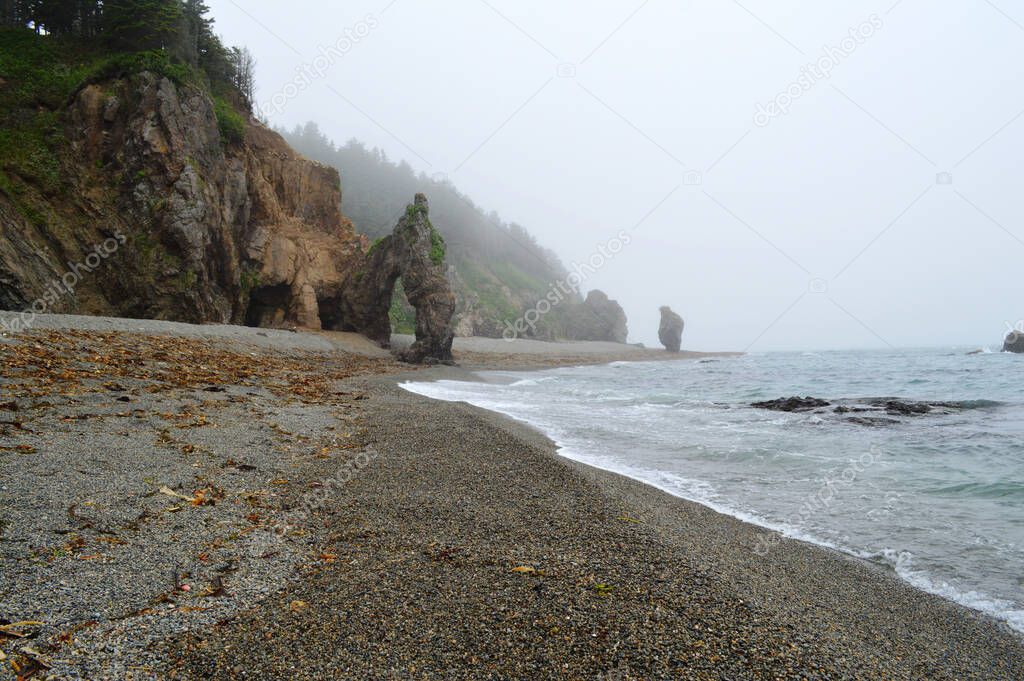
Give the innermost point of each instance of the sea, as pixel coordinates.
(937, 497)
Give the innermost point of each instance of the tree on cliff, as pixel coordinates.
(143, 24)
(56, 17)
(244, 79)
(182, 29)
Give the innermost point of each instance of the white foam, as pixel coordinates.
(703, 492)
(976, 600)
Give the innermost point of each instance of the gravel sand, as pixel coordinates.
(176, 504)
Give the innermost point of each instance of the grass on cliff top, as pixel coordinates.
(36, 78)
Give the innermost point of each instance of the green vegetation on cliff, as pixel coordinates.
(49, 50)
(58, 199)
(176, 37)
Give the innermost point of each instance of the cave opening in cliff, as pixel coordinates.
(268, 305)
(331, 317)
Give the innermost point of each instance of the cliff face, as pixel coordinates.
(238, 232)
(598, 319)
(233, 232)
(164, 215)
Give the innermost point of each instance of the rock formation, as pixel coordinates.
(792, 404)
(231, 231)
(873, 412)
(670, 332)
(1014, 342)
(415, 252)
(200, 226)
(598, 319)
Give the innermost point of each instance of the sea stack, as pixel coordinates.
(1014, 342)
(414, 251)
(670, 333)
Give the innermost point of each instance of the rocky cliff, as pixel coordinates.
(166, 206)
(598, 318)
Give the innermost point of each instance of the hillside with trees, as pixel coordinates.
(498, 269)
(52, 51)
(172, 31)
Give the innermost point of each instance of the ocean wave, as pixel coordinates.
(532, 381)
(1001, 609)
(662, 425)
(995, 490)
(977, 404)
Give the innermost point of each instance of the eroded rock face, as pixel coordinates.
(598, 318)
(414, 252)
(242, 231)
(670, 332)
(1014, 342)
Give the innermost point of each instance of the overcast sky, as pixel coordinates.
(883, 207)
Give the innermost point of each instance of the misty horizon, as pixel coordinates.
(793, 177)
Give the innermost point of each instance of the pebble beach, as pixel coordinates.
(203, 502)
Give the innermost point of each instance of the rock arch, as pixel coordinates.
(415, 252)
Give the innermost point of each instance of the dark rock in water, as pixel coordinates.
(850, 410)
(873, 421)
(1014, 342)
(906, 408)
(670, 332)
(901, 408)
(866, 412)
(792, 404)
(414, 252)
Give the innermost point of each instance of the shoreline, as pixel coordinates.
(680, 580)
(774, 534)
(446, 540)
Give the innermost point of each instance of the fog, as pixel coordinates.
(881, 208)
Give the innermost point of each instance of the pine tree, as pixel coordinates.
(143, 24)
(8, 13)
(197, 28)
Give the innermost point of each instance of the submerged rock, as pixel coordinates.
(670, 332)
(792, 404)
(1014, 342)
(899, 408)
(870, 412)
(872, 421)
